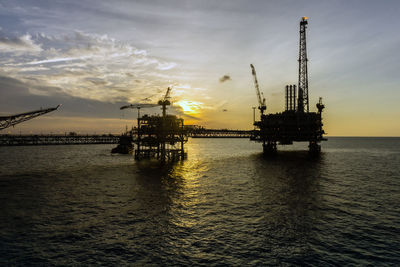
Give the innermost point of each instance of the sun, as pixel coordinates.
(190, 107)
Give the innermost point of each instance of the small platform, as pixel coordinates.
(160, 137)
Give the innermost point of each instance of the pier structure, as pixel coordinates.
(125, 141)
(296, 123)
(200, 132)
(45, 140)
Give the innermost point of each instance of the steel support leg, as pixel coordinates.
(314, 148)
(269, 148)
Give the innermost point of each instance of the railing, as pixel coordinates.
(219, 133)
(37, 140)
(32, 140)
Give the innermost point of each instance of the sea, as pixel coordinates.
(225, 205)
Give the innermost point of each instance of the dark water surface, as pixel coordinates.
(224, 205)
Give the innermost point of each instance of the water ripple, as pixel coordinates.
(225, 205)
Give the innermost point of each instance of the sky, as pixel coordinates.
(96, 56)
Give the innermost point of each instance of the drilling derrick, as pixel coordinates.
(296, 123)
(303, 75)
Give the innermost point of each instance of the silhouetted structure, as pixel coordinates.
(8, 121)
(125, 145)
(160, 137)
(261, 99)
(196, 131)
(53, 139)
(296, 123)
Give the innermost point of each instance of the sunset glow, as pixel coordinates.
(190, 107)
(52, 53)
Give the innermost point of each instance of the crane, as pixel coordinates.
(163, 102)
(8, 121)
(165, 131)
(261, 100)
(139, 106)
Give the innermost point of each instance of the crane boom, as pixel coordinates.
(139, 105)
(261, 100)
(8, 121)
(166, 97)
(163, 102)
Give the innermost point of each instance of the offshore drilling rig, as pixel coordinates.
(296, 123)
(160, 137)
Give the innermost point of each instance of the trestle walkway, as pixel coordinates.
(38, 140)
(219, 133)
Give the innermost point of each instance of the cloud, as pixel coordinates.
(23, 43)
(84, 65)
(53, 60)
(166, 66)
(225, 78)
(178, 110)
(18, 96)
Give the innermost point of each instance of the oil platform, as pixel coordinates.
(160, 137)
(296, 123)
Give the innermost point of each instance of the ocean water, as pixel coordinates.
(225, 204)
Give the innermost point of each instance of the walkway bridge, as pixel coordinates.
(40, 140)
(219, 133)
(51, 139)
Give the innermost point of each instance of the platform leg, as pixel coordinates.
(269, 148)
(314, 148)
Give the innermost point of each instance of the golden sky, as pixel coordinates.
(95, 56)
